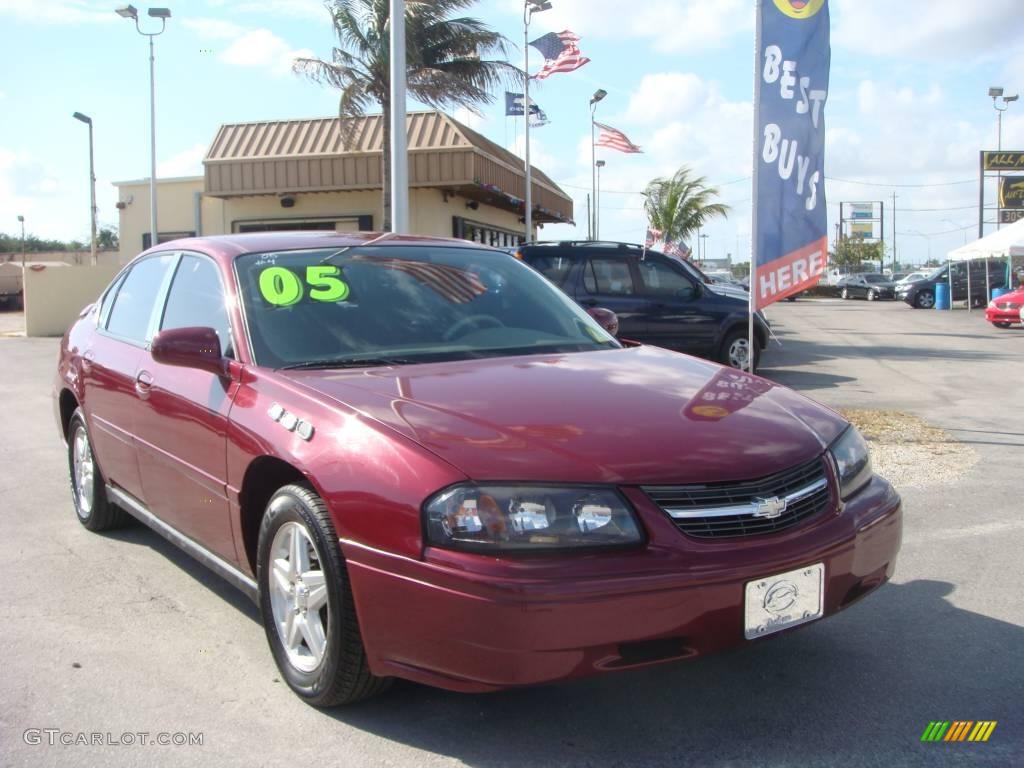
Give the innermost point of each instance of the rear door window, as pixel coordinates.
(610, 277)
(132, 315)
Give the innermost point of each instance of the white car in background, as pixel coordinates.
(912, 277)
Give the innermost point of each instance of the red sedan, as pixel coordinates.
(1005, 310)
(424, 461)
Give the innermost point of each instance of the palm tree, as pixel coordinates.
(447, 62)
(679, 206)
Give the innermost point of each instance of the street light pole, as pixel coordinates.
(398, 138)
(131, 12)
(530, 7)
(92, 189)
(599, 94)
(22, 220)
(597, 202)
(996, 93)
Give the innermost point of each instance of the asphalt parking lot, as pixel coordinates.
(124, 634)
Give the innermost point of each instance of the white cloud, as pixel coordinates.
(188, 162)
(304, 9)
(58, 11)
(214, 29)
(263, 49)
(950, 30)
(672, 25)
(668, 95)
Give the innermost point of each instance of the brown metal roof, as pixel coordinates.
(290, 156)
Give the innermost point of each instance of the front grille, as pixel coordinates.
(1008, 305)
(721, 510)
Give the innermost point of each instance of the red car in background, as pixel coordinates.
(422, 460)
(1004, 311)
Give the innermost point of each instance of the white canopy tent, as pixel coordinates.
(1003, 243)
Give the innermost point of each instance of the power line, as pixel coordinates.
(902, 186)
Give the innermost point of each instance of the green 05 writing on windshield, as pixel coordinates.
(281, 287)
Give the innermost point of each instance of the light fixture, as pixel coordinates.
(160, 13)
(287, 201)
(600, 163)
(472, 205)
(128, 12)
(1008, 99)
(83, 118)
(995, 92)
(599, 94)
(536, 6)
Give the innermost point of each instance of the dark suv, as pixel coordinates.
(920, 294)
(659, 300)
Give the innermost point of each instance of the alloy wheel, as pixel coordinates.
(298, 596)
(739, 354)
(925, 300)
(84, 472)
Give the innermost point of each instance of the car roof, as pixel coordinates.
(229, 246)
(581, 247)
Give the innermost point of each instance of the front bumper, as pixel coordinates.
(997, 315)
(472, 623)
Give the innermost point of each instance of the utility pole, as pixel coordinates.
(894, 262)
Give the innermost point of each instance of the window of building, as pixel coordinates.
(326, 224)
(485, 234)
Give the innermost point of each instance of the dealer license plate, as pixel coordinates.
(785, 600)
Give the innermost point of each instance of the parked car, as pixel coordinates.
(11, 285)
(921, 293)
(1005, 310)
(422, 460)
(870, 286)
(658, 300)
(909, 278)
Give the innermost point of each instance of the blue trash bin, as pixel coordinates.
(997, 292)
(942, 296)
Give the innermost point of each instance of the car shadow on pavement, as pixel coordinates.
(857, 689)
(799, 380)
(137, 533)
(803, 353)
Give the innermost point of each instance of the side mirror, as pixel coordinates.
(189, 348)
(606, 319)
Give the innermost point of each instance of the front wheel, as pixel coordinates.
(308, 612)
(925, 300)
(1001, 325)
(736, 352)
(872, 295)
(846, 293)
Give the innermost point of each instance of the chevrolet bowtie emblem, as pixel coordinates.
(769, 509)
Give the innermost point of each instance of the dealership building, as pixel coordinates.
(305, 174)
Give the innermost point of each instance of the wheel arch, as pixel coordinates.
(742, 324)
(262, 478)
(67, 403)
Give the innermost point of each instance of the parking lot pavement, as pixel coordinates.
(123, 634)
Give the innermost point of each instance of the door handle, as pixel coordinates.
(589, 302)
(143, 384)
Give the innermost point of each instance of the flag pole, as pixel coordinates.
(753, 210)
(528, 197)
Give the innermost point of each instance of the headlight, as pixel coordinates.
(490, 518)
(992, 304)
(853, 463)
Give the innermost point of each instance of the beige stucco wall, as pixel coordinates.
(55, 295)
(429, 213)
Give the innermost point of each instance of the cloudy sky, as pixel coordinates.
(907, 111)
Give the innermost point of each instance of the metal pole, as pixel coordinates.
(999, 174)
(92, 198)
(894, 262)
(881, 228)
(597, 206)
(981, 194)
(152, 144)
(22, 220)
(756, 166)
(528, 197)
(399, 155)
(593, 169)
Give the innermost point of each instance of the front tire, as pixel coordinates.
(845, 294)
(735, 352)
(924, 300)
(872, 295)
(306, 602)
(88, 492)
(1001, 325)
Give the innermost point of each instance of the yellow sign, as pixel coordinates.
(799, 9)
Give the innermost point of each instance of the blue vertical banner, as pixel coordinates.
(790, 222)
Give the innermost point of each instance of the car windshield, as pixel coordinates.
(375, 305)
(876, 278)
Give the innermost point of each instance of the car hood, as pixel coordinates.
(734, 291)
(629, 416)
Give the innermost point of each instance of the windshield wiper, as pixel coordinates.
(348, 362)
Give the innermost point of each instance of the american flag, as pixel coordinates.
(561, 53)
(677, 249)
(615, 139)
(458, 286)
(653, 236)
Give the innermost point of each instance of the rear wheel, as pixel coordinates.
(736, 352)
(846, 293)
(1001, 325)
(94, 510)
(306, 602)
(872, 295)
(925, 300)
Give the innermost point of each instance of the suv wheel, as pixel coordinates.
(94, 511)
(872, 295)
(306, 602)
(846, 293)
(735, 351)
(924, 300)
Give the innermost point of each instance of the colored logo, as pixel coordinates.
(958, 730)
(799, 9)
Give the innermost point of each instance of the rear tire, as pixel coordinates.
(306, 602)
(1001, 325)
(734, 352)
(924, 300)
(845, 294)
(88, 491)
(872, 295)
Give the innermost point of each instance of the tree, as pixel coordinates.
(851, 252)
(447, 63)
(107, 239)
(681, 205)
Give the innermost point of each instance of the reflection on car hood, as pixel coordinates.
(639, 415)
(734, 291)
